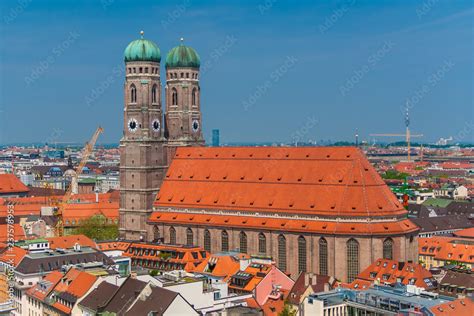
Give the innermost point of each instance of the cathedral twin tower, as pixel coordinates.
(150, 137)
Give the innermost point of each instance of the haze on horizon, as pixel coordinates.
(270, 70)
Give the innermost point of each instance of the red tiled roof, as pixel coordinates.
(315, 226)
(219, 265)
(327, 181)
(81, 211)
(258, 273)
(69, 241)
(456, 165)
(447, 248)
(465, 233)
(49, 281)
(113, 245)
(459, 307)
(108, 204)
(358, 284)
(151, 254)
(11, 184)
(390, 271)
(274, 306)
(12, 256)
(76, 283)
(18, 232)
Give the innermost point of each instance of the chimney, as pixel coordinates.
(306, 279)
(314, 280)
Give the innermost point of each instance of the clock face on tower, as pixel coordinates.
(155, 125)
(195, 126)
(132, 125)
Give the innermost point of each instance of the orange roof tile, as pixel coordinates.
(11, 184)
(274, 306)
(113, 245)
(358, 284)
(81, 211)
(257, 272)
(12, 255)
(459, 307)
(76, 283)
(42, 289)
(447, 248)
(465, 233)
(251, 302)
(219, 265)
(18, 232)
(62, 308)
(150, 254)
(391, 271)
(327, 181)
(108, 204)
(69, 241)
(456, 165)
(296, 225)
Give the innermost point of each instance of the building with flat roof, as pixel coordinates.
(382, 300)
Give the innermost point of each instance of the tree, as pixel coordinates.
(97, 228)
(393, 174)
(287, 311)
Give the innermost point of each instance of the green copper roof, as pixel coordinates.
(182, 57)
(437, 202)
(142, 50)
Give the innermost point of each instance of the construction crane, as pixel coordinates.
(408, 135)
(59, 229)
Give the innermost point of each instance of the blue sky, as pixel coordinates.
(274, 70)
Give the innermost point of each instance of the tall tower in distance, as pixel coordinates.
(183, 99)
(142, 155)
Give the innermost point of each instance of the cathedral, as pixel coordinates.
(317, 209)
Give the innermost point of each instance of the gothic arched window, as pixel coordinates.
(189, 237)
(282, 253)
(352, 259)
(262, 244)
(323, 256)
(193, 97)
(156, 233)
(153, 94)
(207, 240)
(224, 241)
(172, 235)
(243, 242)
(388, 248)
(301, 254)
(133, 94)
(174, 96)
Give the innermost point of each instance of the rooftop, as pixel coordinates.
(11, 184)
(399, 296)
(325, 181)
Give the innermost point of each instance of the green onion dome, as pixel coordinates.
(142, 50)
(182, 57)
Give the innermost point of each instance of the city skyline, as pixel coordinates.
(326, 82)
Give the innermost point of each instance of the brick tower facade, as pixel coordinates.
(183, 105)
(146, 148)
(142, 156)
